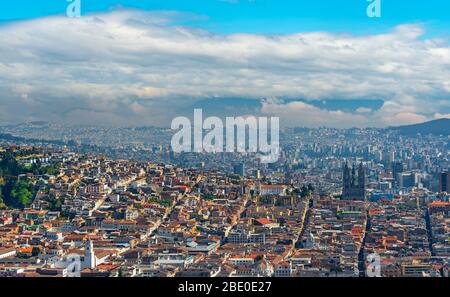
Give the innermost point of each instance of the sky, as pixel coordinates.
(143, 62)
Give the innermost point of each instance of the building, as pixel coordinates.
(415, 270)
(397, 167)
(242, 260)
(444, 182)
(243, 237)
(272, 190)
(283, 269)
(239, 169)
(7, 252)
(354, 185)
(408, 179)
(77, 262)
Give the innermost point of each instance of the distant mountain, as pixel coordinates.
(11, 138)
(437, 127)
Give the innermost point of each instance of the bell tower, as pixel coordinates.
(89, 255)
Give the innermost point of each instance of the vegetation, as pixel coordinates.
(38, 169)
(163, 202)
(17, 191)
(67, 215)
(35, 251)
(120, 272)
(304, 191)
(209, 197)
(2, 203)
(21, 194)
(55, 204)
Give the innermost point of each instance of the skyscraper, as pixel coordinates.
(397, 167)
(444, 182)
(239, 169)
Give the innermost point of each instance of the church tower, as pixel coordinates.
(89, 255)
(361, 179)
(346, 178)
(354, 184)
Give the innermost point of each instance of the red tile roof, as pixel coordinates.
(264, 221)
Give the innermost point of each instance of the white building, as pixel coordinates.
(272, 189)
(284, 269)
(5, 253)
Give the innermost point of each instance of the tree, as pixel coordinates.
(35, 251)
(21, 194)
(209, 197)
(2, 203)
(304, 191)
(295, 192)
(55, 204)
(336, 269)
(9, 165)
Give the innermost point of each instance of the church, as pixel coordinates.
(76, 262)
(354, 185)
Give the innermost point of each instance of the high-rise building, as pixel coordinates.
(239, 169)
(391, 156)
(407, 180)
(354, 185)
(397, 167)
(444, 182)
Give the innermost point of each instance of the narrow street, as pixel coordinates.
(429, 232)
(361, 255)
(305, 222)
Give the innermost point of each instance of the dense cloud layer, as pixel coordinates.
(131, 67)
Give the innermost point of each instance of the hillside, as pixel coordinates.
(437, 127)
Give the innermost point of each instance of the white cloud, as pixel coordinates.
(442, 116)
(306, 115)
(131, 67)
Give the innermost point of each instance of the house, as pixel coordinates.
(273, 190)
(283, 269)
(7, 252)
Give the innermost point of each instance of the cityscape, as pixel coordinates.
(337, 203)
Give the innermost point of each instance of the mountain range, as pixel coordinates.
(437, 127)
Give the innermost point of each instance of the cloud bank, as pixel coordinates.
(134, 68)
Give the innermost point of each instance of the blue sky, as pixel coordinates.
(262, 16)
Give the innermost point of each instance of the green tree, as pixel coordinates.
(304, 191)
(2, 203)
(209, 197)
(51, 170)
(55, 204)
(35, 251)
(9, 165)
(21, 193)
(295, 192)
(336, 269)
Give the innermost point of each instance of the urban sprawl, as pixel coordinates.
(355, 202)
